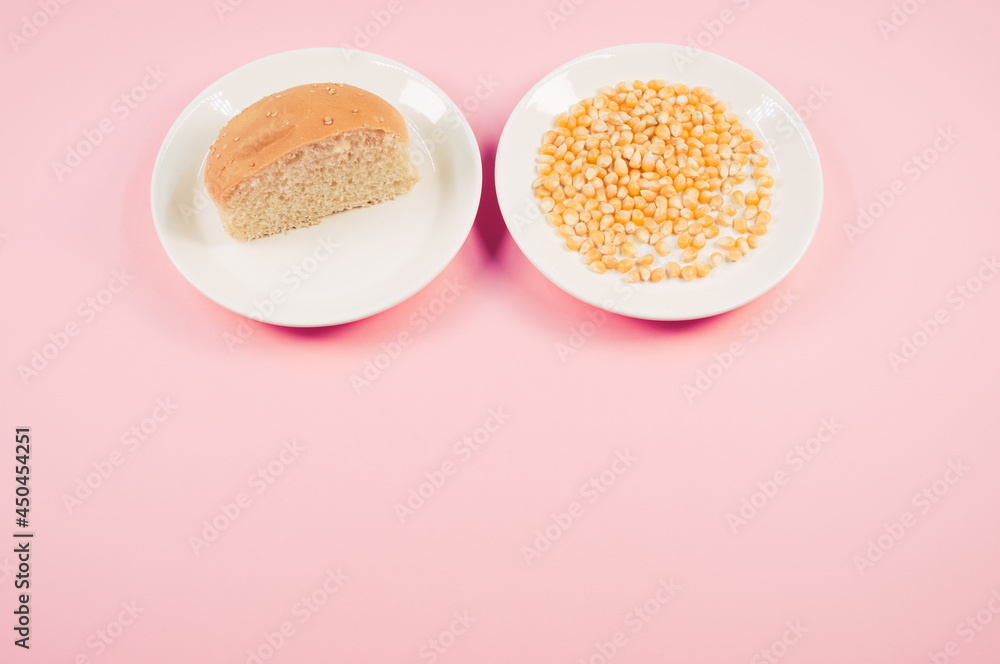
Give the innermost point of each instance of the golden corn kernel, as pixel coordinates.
(683, 240)
(703, 268)
(764, 217)
(599, 267)
(716, 259)
(657, 274)
(698, 241)
(626, 264)
(753, 241)
(673, 269)
(689, 272)
(689, 255)
(758, 229)
(645, 260)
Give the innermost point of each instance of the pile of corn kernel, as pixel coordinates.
(646, 164)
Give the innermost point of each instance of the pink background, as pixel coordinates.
(497, 346)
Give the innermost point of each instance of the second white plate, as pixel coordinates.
(798, 194)
(355, 263)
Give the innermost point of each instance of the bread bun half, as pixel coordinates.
(299, 155)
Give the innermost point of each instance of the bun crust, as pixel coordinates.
(274, 126)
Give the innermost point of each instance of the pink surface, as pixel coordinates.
(646, 566)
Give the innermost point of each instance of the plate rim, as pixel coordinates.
(471, 142)
(504, 145)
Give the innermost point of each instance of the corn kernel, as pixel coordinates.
(626, 264)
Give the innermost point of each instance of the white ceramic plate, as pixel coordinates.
(355, 263)
(798, 192)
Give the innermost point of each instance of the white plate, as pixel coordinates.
(798, 193)
(383, 254)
